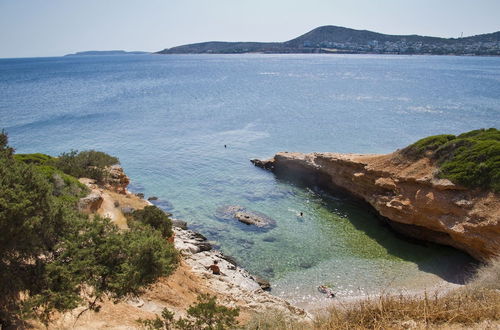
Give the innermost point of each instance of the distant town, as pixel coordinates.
(408, 47)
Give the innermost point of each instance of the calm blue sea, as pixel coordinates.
(168, 118)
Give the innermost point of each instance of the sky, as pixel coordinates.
(33, 28)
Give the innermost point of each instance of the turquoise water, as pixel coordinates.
(168, 118)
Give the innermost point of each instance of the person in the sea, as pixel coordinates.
(328, 291)
(215, 268)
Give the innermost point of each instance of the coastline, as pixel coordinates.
(406, 195)
(235, 288)
(198, 253)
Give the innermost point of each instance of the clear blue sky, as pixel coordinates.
(57, 27)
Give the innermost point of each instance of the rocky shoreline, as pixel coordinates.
(235, 287)
(234, 280)
(368, 177)
(407, 195)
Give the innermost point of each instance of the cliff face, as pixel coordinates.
(117, 181)
(407, 194)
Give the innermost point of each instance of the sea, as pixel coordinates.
(186, 126)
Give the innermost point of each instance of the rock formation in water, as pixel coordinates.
(245, 216)
(407, 194)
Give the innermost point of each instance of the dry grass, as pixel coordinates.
(487, 277)
(465, 307)
(476, 305)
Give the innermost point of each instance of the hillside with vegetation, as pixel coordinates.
(336, 39)
(470, 159)
(53, 258)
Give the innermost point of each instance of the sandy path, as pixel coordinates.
(109, 210)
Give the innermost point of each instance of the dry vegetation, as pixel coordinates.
(477, 305)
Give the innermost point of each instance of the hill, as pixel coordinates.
(336, 39)
(105, 52)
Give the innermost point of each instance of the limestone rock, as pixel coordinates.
(254, 218)
(264, 284)
(234, 281)
(245, 216)
(179, 224)
(265, 164)
(90, 203)
(408, 194)
(116, 180)
(204, 246)
(127, 210)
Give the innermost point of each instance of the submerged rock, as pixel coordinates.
(306, 264)
(179, 224)
(197, 236)
(264, 284)
(228, 212)
(203, 246)
(255, 218)
(239, 213)
(269, 271)
(229, 259)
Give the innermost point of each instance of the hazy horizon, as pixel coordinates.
(31, 28)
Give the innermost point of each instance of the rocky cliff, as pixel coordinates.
(407, 194)
(116, 180)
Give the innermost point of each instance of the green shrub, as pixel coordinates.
(422, 147)
(36, 158)
(471, 159)
(154, 217)
(5, 150)
(90, 164)
(205, 315)
(50, 253)
(63, 184)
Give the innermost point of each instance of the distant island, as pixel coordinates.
(106, 52)
(340, 40)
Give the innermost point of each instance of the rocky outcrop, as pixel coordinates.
(90, 203)
(243, 287)
(116, 180)
(265, 164)
(407, 194)
(245, 216)
(179, 224)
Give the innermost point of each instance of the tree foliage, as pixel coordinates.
(155, 218)
(89, 164)
(53, 258)
(5, 150)
(36, 158)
